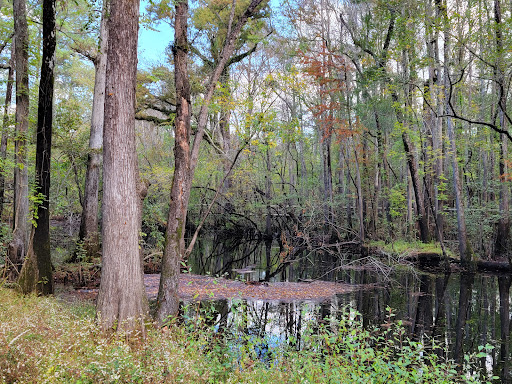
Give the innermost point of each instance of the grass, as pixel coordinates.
(404, 247)
(47, 340)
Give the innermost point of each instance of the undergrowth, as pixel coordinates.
(406, 247)
(47, 340)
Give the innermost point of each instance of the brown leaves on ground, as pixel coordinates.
(207, 287)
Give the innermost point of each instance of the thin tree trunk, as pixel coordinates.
(432, 113)
(466, 254)
(17, 247)
(168, 301)
(121, 302)
(89, 232)
(503, 227)
(5, 127)
(360, 201)
(224, 129)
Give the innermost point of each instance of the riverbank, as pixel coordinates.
(51, 340)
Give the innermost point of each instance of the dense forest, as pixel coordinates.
(307, 125)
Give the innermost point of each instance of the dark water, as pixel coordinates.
(458, 312)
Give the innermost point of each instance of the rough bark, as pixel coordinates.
(36, 274)
(121, 299)
(168, 301)
(89, 232)
(17, 247)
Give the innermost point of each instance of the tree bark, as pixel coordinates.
(89, 232)
(121, 302)
(168, 300)
(36, 274)
(18, 245)
(5, 126)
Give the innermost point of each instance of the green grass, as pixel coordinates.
(403, 247)
(46, 340)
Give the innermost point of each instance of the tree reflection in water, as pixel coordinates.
(454, 313)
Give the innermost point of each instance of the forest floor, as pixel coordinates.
(196, 287)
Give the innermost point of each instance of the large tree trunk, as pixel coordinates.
(18, 245)
(168, 301)
(121, 298)
(5, 126)
(36, 274)
(89, 232)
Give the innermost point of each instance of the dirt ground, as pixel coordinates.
(196, 287)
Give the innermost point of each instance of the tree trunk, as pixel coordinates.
(466, 254)
(434, 109)
(408, 146)
(36, 274)
(225, 115)
(503, 227)
(5, 126)
(89, 232)
(18, 245)
(168, 301)
(121, 299)
(327, 182)
(417, 186)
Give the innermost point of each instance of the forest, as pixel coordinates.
(302, 151)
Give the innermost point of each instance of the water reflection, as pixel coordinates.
(454, 314)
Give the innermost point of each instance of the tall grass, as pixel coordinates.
(47, 340)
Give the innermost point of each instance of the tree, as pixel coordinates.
(17, 247)
(89, 232)
(36, 274)
(122, 302)
(5, 126)
(185, 157)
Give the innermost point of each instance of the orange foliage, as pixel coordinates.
(330, 71)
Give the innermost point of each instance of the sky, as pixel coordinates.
(152, 44)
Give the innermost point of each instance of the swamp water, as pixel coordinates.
(458, 312)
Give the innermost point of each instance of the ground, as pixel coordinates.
(208, 287)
